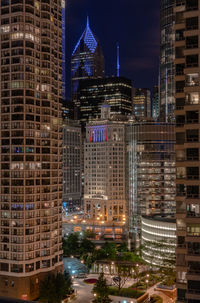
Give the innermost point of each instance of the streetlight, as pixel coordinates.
(95, 295)
(147, 281)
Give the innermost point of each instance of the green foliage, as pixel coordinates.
(123, 247)
(125, 292)
(101, 290)
(110, 250)
(88, 234)
(86, 246)
(156, 299)
(131, 257)
(54, 288)
(71, 245)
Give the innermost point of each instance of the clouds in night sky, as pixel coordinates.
(132, 23)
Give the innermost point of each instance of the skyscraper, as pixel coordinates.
(187, 150)
(167, 37)
(72, 187)
(87, 59)
(31, 145)
(141, 102)
(104, 169)
(115, 91)
(150, 170)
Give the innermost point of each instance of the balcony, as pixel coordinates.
(191, 5)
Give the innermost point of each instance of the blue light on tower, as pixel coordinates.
(89, 39)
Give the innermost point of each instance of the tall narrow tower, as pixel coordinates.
(167, 69)
(87, 60)
(31, 167)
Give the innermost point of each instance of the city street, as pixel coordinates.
(83, 290)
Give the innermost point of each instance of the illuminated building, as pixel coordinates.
(155, 104)
(187, 66)
(150, 171)
(104, 169)
(31, 146)
(167, 70)
(87, 60)
(158, 234)
(71, 165)
(116, 91)
(68, 110)
(64, 48)
(141, 102)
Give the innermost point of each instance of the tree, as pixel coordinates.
(48, 290)
(124, 270)
(101, 291)
(110, 250)
(123, 247)
(54, 288)
(71, 245)
(86, 246)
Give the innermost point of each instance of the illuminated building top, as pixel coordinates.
(88, 39)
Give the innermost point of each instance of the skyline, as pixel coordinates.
(140, 64)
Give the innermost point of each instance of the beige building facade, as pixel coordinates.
(31, 145)
(104, 170)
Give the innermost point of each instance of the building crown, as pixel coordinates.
(88, 39)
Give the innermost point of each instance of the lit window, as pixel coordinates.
(17, 36)
(5, 29)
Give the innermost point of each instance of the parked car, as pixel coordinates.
(81, 276)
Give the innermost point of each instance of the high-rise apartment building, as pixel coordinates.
(150, 170)
(64, 48)
(115, 91)
(187, 150)
(87, 60)
(31, 145)
(167, 70)
(71, 165)
(141, 102)
(104, 169)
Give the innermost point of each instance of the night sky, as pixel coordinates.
(132, 23)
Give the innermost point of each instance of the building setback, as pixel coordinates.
(187, 150)
(31, 146)
(115, 91)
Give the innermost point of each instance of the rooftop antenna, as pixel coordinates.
(88, 22)
(118, 65)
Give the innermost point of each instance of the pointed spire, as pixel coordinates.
(88, 21)
(118, 60)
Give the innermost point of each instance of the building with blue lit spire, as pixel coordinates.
(87, 60)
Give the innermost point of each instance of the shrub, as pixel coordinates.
(125, 292)
(156, 299)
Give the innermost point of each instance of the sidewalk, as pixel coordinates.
(165, 298)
